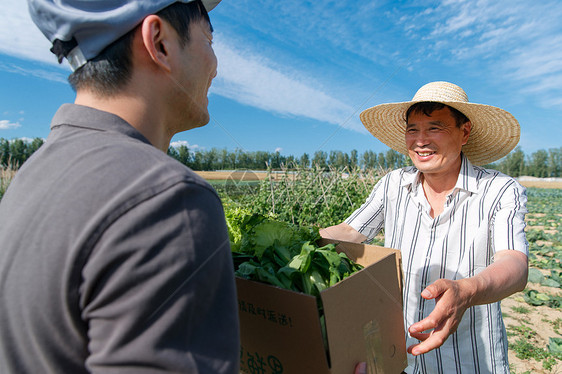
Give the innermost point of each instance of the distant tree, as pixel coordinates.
(320, 159)
(197, 163)
(304, 160)
(353, 159)
(5, 155)
(541, 163)
(18, 150)
(35, 145)
(554, 168)
(276, 160)
(290, 161)
(15, 152)
(392, 159)
(183, 155)
(210, 159)
(224, 160)
(172, 152)
(262, 159)
(232, 161)
(242, 159)
(342, 160)
(381, 160)
(513, 164)
(368, 160)
(333, 158)
(538, 164)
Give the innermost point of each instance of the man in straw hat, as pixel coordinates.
(114, 258)
(460, 227)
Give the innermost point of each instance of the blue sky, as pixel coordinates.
(293, 76)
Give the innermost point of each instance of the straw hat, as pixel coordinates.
(494, 133)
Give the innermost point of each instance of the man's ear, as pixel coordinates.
(466, 128)
(155, 37)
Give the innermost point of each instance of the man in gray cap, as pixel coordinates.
(114, 257)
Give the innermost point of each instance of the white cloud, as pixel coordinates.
(20, 37)
(179, 143)
(247, 78)
(254, 80)
(38, 73)
(513, 40)
(24, 139)
(7, 125)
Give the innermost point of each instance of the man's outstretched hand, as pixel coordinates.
(452, 300)
(506, 275)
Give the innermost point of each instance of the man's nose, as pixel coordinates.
(422, 138)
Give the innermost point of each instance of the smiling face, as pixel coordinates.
(434, 142)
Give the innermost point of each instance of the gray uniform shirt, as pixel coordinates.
(114, 258)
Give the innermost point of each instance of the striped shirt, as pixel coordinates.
(484, 214)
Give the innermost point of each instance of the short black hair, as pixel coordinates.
(108, 72)
(428, 107)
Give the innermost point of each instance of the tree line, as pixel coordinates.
(542, 163)
(222, 159)
(13, 153)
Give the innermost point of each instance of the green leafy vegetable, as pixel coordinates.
(555, 346)
(535, 276)
(533, 297)
(285, 255)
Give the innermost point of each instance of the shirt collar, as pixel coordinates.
(87, 117)
(465, 181)
(410, 176)
(467, 176)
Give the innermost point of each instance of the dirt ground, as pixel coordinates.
(541, 184)
(536, 324)
(236, 175)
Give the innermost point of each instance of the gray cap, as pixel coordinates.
(80, 30)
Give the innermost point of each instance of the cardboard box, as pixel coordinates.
(281, 330)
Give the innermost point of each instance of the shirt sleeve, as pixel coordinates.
(508, 227)
(158, 292)
(368, 219)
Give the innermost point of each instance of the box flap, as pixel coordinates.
(366, 254)
(372, 294)
(279, 330)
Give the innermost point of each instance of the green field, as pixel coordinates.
(533, 317)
